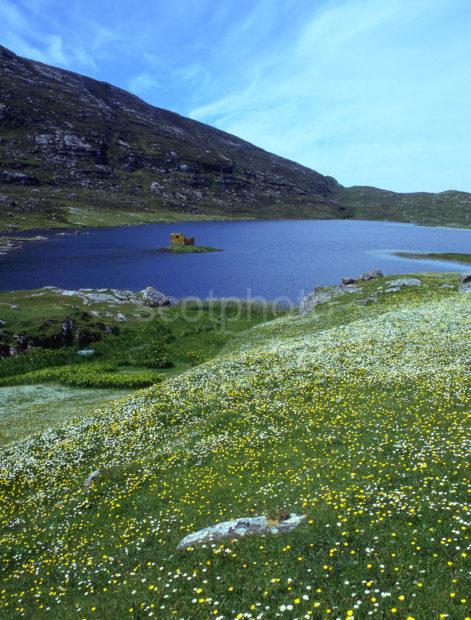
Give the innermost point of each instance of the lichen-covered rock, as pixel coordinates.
(320, 295)
(86, 352)
(405, 282)
(465, 286)
(92, 478)
(371, 275)
(368, 275)
(68, 330)
(155, 187)
(99, 298)
(238, 528)
(154, 298)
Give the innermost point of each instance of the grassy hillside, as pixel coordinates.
(356, 415)
(450, 208)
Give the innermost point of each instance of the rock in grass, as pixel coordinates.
(367, 300)
(86, 352)
(321, 295)
(371, 275)
(368, 275)
(405, 282)
(154, 298)
(238, 528)
(465, 286)
(92, 478)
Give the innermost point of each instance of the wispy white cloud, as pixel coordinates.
(141, 84)
(33, 32)
(360, 92)
(369, 91)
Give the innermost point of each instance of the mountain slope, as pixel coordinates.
(75, 151)
(70, 141)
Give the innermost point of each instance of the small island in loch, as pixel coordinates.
(180, 244)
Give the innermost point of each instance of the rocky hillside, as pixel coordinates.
(75, 151)
(71, 146)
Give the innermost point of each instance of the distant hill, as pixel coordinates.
(75, 151)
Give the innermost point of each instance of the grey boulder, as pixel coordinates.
(92, 478)
(368, 300)
(238, 528)
(321, 295)
(405, 282)
(465, 286)
(154, 298)
(368, 275)
(371, 275)
(86, 352)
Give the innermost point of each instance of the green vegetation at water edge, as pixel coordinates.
(191, 249)
(447, 256)
(355, 415)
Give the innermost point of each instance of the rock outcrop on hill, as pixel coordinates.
(102, 313)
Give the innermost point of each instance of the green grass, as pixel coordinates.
(94, 209)
(447, 256)
(29, 311)
(86, 376)
(355, 415)
(157, 345)
(29, 409)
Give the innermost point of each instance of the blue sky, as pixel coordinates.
(372, 92)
